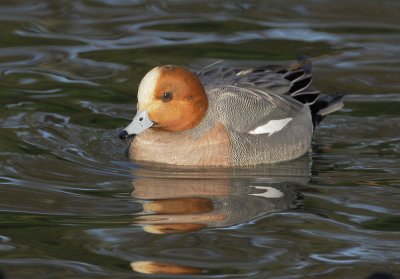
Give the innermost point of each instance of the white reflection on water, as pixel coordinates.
(301, 34)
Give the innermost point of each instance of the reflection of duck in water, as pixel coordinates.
(214, 205)
(182, 202)
(179, 204)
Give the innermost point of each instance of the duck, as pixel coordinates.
(226, 116)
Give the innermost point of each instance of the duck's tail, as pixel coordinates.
(300, 76)
(325, 105)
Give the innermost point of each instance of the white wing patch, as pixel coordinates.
(270, 192)
(271, 127)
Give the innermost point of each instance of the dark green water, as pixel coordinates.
(71, 203)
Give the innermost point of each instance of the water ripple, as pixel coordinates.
(72, 205)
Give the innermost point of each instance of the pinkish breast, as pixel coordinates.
(211, 149)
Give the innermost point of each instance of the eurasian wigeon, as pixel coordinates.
(226, 116)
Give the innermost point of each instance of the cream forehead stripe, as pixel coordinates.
(147, 86)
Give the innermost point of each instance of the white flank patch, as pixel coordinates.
(271, 127)
(147, 86)
(270, 192)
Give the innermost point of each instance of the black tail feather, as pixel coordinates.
(306, 97)
(300, 76)
(301, 84)
(325, 105)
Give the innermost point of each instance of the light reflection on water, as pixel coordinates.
(71, 205)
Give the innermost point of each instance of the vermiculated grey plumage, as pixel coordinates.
(244, 99)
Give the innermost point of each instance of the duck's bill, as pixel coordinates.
(140, 122)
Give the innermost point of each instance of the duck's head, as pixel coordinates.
(170, 98)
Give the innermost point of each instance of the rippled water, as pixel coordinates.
(72, 205)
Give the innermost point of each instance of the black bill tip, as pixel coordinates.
(123, 135)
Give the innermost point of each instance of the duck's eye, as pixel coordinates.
(167, 96)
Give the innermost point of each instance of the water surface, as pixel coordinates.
(72, 205)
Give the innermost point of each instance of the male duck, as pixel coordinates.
(226, 116)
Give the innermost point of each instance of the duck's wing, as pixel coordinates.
(291, 81)
(253, 111)
(263, 79)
